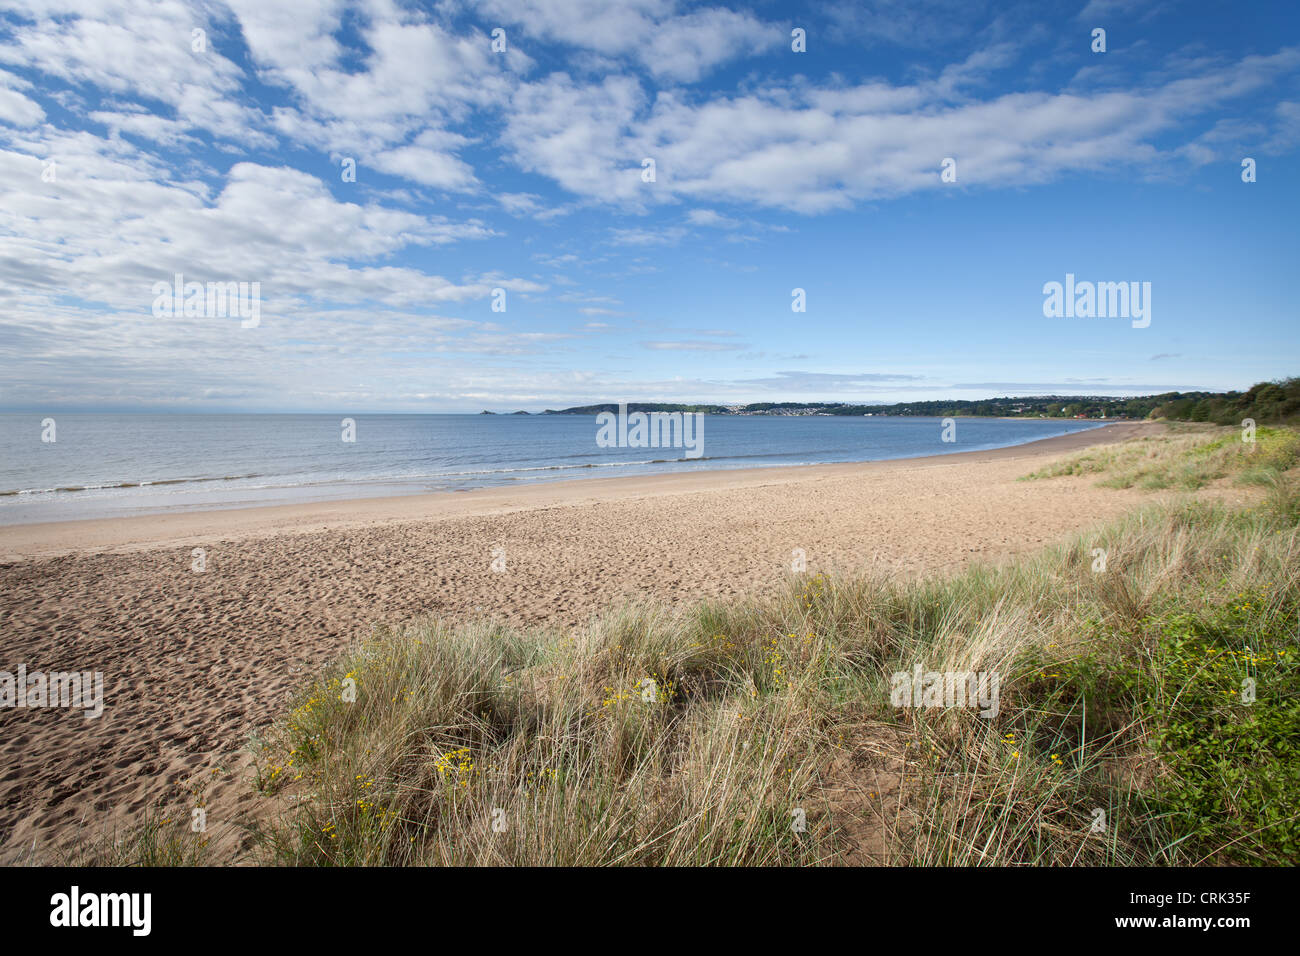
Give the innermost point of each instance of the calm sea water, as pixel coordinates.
(103, 465)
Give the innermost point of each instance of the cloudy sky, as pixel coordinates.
(214, 139)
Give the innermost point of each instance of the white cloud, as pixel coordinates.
(669, 44)
(711, 217)
(425, 163)
(139, 122)
(812, 150)
(15, 108)
(395, 113)
(138, 50)
(648, 237)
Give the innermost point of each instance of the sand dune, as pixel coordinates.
(194, 661)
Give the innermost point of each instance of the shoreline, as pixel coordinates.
(124, 533)
(218, 491)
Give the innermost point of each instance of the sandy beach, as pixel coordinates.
(193, 661)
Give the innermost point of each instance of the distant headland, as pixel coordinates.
(1264, 402)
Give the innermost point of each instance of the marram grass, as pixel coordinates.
(1185, 458)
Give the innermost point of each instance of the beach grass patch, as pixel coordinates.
(702, 736)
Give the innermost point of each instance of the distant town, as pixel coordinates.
(1265, 401)
(1051, 406)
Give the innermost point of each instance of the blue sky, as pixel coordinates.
(130, 151)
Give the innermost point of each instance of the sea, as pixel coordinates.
(68, 466)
